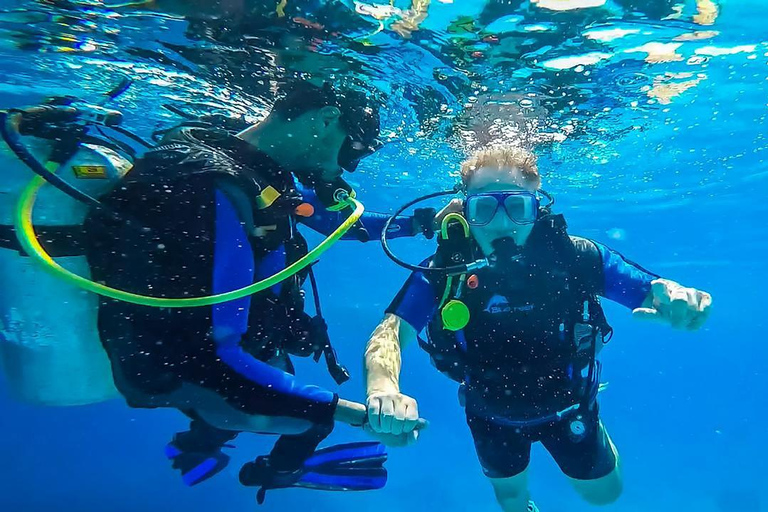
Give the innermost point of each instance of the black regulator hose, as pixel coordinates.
(9, 129)
(452, 270)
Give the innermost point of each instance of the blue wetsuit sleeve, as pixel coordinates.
(325, 221)
(234, 267)
(417, 301)
(611, 274)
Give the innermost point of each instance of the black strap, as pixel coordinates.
(338, 371)
(58, 241)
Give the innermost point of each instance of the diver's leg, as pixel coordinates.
(504, 455)
(249, 395)
(590, 461)
(605, 489)
(512, 493)
(299, 440)
(290, 451)
(218, 411)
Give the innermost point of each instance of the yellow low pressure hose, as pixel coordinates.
(25, 232)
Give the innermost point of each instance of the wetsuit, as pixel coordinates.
(191, 207)
(520, 360)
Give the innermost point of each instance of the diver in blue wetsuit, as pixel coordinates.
(211, 211)
(511, 310)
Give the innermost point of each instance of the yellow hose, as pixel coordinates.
(447, 221)
(25, 232)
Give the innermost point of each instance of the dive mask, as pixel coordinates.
(521, 207)
(353, 150)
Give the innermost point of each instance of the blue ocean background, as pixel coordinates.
(680, 187)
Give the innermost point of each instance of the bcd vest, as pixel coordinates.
(530, 344)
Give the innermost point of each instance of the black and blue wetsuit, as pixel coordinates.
(192, 209)
(522, 357)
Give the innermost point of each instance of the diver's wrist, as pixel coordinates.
(382, 386)
(351, 413)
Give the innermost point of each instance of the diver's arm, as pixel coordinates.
(390, 411)
(234, 267)
(648, 295)
(370, 226)
(383, 354)
(410, 311)
(611, 275)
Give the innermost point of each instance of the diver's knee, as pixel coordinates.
(601, 491)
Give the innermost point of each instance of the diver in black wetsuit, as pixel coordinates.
(519, 328)
(211, 211)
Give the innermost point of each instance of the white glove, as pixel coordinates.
(680, 307)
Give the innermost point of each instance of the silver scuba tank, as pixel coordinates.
(50, 350)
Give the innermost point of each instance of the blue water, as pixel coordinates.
(677, 182)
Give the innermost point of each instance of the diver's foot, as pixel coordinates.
(342, 467)
(197, 453)
(196, 467)
(260, 473)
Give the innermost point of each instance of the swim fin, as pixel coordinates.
(197, 452)
(344, 467)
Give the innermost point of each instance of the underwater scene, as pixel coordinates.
(323, 255)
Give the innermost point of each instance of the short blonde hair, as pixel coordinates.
(504, 157)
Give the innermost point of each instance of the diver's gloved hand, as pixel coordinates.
(424, 222)
(393, 418)
(680, 307)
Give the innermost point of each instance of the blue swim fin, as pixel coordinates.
(344, 467)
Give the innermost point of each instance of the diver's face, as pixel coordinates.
(321, 139)
(487, 180)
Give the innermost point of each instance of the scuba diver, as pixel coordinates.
(174, 245)
(510, 303)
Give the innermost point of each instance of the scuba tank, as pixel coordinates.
(50, 350)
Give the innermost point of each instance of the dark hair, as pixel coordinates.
(359, 116)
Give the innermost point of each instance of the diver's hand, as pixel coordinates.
(680, 307)
(424, 222)
(391, 440)
(393, 413)
(455, 206)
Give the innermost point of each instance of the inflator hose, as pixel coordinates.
(27, 238)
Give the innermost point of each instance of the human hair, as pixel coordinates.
(502, 157)
(301, 97)
(359, 111)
